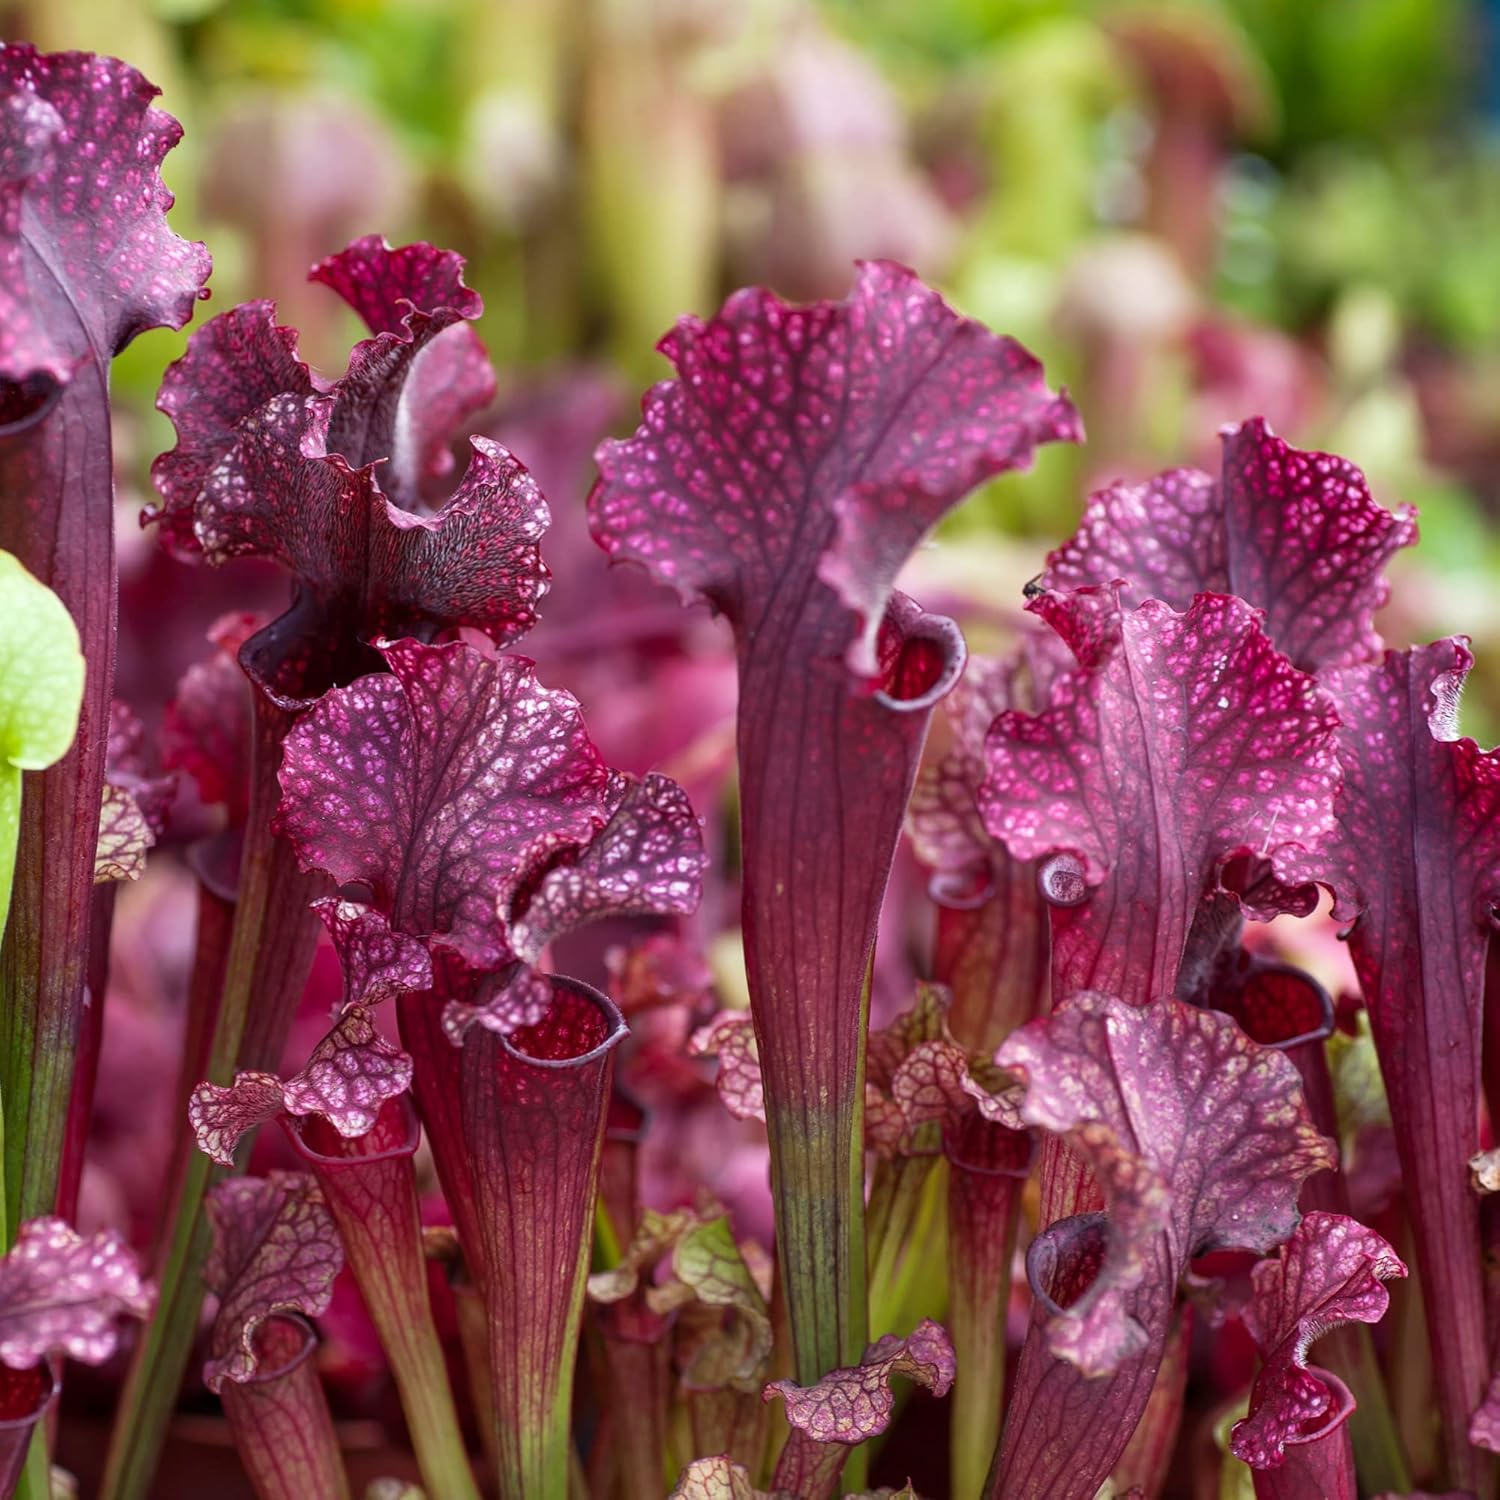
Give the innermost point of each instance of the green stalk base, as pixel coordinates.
(907, 1241)
(817, 1185)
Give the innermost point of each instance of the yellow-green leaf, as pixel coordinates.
(41, 671)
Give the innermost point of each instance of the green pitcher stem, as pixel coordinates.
(1378, 1455)
(422, 1379)
(150, 1393)
(816, 1137)
(35, 1482)
(818, 1188)
(905, 1207)
(473, 1341)
(983, 1218)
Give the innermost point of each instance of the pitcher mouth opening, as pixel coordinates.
(580, 1027)
(283, 1342)
(922, 657)
(25, 403)
(25, 1394)
(396, 1133)
(1065, 1259)
(965, 889)
(1277, 1005)
(1340, 1408)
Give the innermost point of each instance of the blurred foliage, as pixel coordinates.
(1192, 209)
(1358, 69)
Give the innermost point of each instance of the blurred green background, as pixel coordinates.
(1193, 211)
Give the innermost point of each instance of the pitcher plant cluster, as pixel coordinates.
(1116, 1137)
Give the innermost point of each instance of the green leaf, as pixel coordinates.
(41, 671)
(41, 691)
